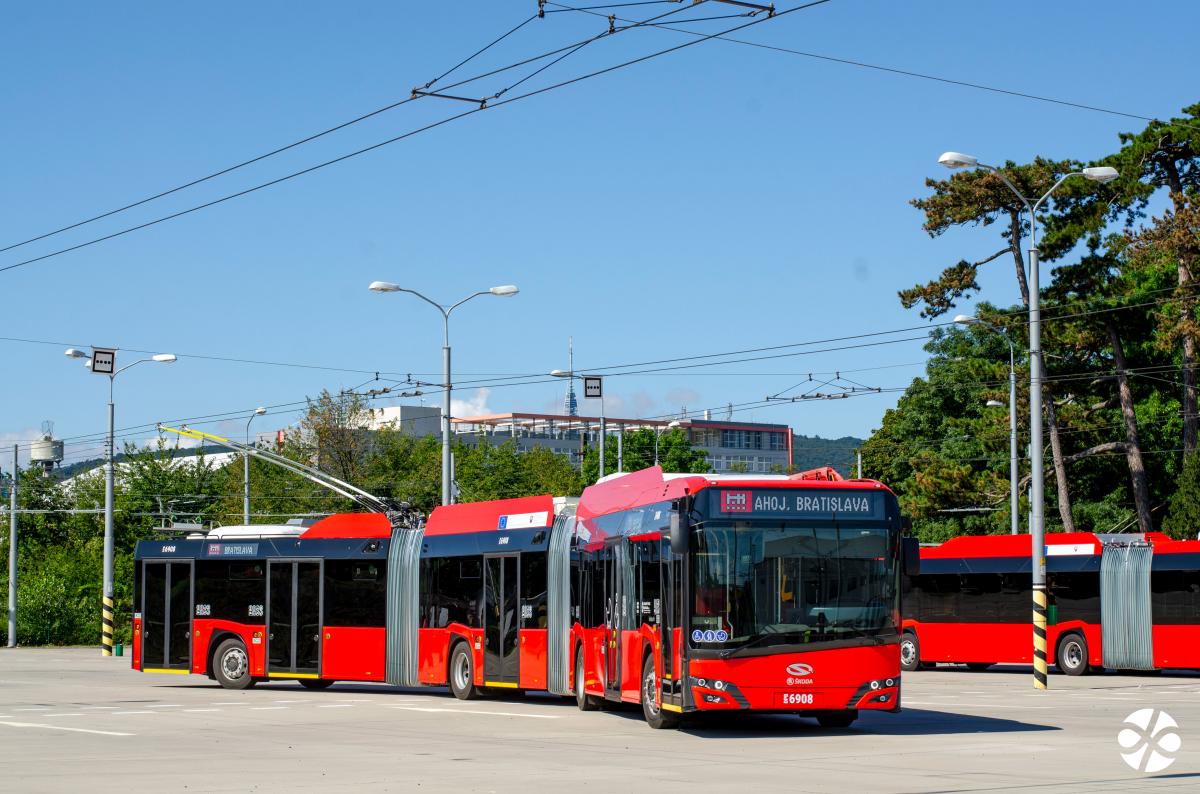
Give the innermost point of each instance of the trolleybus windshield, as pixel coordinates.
(765, 584)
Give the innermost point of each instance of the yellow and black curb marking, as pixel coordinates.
(106, 628)
(1039, 636)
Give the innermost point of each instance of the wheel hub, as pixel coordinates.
(234, 664)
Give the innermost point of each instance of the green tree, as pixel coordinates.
(1183, 513)
(675, 454)
(981, 198)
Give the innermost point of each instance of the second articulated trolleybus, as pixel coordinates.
(1123, 602)
(684, 593)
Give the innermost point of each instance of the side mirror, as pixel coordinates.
(910, 556)
(679, 530)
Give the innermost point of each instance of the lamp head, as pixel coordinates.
(673, 423)
(71, 352)
(559, 373)
(956, 160)
(1101, 173)
(259, 411)
(994, 404)
(164, 358)
(504, 290)
(383, 286)
(963, 319)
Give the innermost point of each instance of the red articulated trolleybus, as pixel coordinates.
(684, 593)
(1124, 602)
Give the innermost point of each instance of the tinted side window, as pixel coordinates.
(648, 606)
(227, 590)
(355, 593)
(533, 590)
(1076, 594)
(1175, 596)
(939, 597)
(451, 588)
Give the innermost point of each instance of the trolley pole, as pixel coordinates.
(12, 556)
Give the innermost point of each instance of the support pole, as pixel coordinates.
(603, 433)
(621, 449)
(106, 609)
(447, 475)
(1037, 529)
(859, 452)
(1014, 496)
(12, 555)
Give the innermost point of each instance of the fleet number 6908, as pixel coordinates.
(797, 698)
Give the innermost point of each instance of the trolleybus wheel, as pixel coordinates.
(837, 719)
(231, 665)
(462, 673)
(910, 652)
(582, 699)
(316, 683)
(1072, 655)
(656, 716)
(978, 667)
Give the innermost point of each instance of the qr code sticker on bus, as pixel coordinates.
(256, 610)
(203, 610)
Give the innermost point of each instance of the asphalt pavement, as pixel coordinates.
(72, 721)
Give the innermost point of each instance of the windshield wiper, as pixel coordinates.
(766, 635)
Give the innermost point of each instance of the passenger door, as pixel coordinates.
(294, 600)
(166, 615)
(501, 624)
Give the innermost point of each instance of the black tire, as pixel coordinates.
(231, 665)
(656, 716)
(910, 652)
(316, 683)
(582, 699)
(1072, 654)
(462, 673)
(979, 667)
(837, 719)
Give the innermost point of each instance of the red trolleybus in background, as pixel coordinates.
(1125, 602)
(681, 592)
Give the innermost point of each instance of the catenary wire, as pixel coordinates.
(401, 137)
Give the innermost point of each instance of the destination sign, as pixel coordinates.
(795, 503)
(232, 549)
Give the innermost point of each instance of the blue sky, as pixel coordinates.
(719, 198)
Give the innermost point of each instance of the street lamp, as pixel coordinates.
(259, 411)
(658, 431)
(1037, 529)
(503, 291)
(106, 636)
(1013, 498)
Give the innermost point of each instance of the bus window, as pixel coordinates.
(355, 593)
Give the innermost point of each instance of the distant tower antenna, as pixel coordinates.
(572, 405)
(729, 411)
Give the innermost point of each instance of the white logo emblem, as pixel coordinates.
(799, 669)
(1152, 741)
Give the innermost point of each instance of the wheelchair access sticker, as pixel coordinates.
(710, 636)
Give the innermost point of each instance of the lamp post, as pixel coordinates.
(12, 554)
(1013, 498)
(503, 291)
(259, 411)
(106, 638)
(1037, 529)
(658, 431)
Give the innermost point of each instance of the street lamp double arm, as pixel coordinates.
(259, 411)
(503, 291)
(1037, 529)
(658, 431)
(106, 637)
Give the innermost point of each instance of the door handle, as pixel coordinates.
(271, 636)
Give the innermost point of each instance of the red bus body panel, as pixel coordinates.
(533, 659)
(353, 653)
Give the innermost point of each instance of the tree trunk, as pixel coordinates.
(1060, 465)
(1133, 450)
(1188, 359)
(1014, 240)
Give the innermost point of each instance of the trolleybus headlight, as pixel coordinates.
(874, 685)
(718, 684)
(889, 682)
